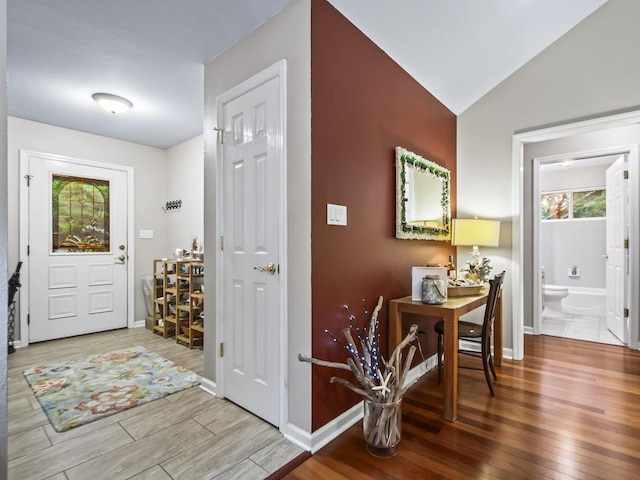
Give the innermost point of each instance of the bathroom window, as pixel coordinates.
(573, 204)
(589, 204)
(555, 206)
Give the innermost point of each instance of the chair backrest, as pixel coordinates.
(490, 311)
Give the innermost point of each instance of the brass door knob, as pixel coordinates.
(270, 269)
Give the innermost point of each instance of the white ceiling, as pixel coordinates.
(153, 52)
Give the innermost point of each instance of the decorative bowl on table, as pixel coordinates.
(463, 290)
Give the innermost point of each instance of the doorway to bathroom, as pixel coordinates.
(581, 230)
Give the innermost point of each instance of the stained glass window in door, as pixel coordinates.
(80, 214)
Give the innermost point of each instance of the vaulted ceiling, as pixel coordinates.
(153, 52)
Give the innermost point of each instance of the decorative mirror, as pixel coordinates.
(422, 198)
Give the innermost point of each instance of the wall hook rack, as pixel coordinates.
(172, 205)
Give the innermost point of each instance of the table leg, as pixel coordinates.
(450, 404)
(497, 333)
(395, 327)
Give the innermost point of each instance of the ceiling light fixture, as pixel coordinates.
(112, 103)
(565, 163)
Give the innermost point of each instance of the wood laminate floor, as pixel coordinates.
(187, 435)
(570, 410)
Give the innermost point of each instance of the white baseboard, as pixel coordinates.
(208, 386)
(17, 344)
(419, 370)
(528, 330)
(312, 442)
(139, 323)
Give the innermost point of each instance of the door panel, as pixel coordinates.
(616, 273)
(77, 219)
(251, 225)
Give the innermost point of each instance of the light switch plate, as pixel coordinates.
(336, 214)
(145, 234)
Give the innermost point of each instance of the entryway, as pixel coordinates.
(606, 135)
(581, 215)
(74, 231)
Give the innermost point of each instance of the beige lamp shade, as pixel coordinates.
(475, 232)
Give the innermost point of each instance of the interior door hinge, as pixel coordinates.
(221, 242)
(626, 243)
(626, 174)
(221, 349)
(28, 177)
(28, 319)
(28, 250)
(626, 313)
(220, 132)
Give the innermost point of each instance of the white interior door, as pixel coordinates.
(252, 150)
(77, 234)
(617, 261)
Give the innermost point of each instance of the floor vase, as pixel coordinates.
(382, 424)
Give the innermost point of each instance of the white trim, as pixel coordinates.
(318, 439)
(279, 71)
(517, 170)
(208, 386)
(422, 368)
(139, 323)
(23, 298)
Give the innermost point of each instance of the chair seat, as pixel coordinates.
(465, 329)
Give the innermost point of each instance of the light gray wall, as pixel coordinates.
(150, 180)
(573, 178)
(185, 181)
(568, 243)
(287, 35)
(3, 242)
(589, 72)
(573, 242)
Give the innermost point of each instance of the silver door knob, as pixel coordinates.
(270, 269)
(121, 258)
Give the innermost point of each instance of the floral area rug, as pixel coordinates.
(80, 391)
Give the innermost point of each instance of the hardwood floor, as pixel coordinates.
(569, 410)
(187, 435)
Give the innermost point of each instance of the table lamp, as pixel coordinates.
(475, 232)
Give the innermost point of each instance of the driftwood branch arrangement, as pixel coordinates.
(380, 382)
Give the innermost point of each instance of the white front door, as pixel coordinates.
(617, 261)
(77, 236)
(251, 161)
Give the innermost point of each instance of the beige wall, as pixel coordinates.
(150, 180)
(591, 71)
(185, 181)
(288, 36)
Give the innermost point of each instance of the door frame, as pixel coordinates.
(535, 191)
(24, 233)
(279, 71)
(519, 140)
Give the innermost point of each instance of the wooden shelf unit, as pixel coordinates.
(179, 301)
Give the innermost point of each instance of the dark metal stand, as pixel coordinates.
(14, 285)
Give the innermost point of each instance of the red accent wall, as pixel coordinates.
(363, 105)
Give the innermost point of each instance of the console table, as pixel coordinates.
(450, 312)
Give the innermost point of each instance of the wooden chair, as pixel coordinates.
(480, 334)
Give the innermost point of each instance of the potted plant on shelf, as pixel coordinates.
(381, 383)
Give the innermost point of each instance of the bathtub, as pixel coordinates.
(585, 301)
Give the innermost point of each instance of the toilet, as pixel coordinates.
(553, 295)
